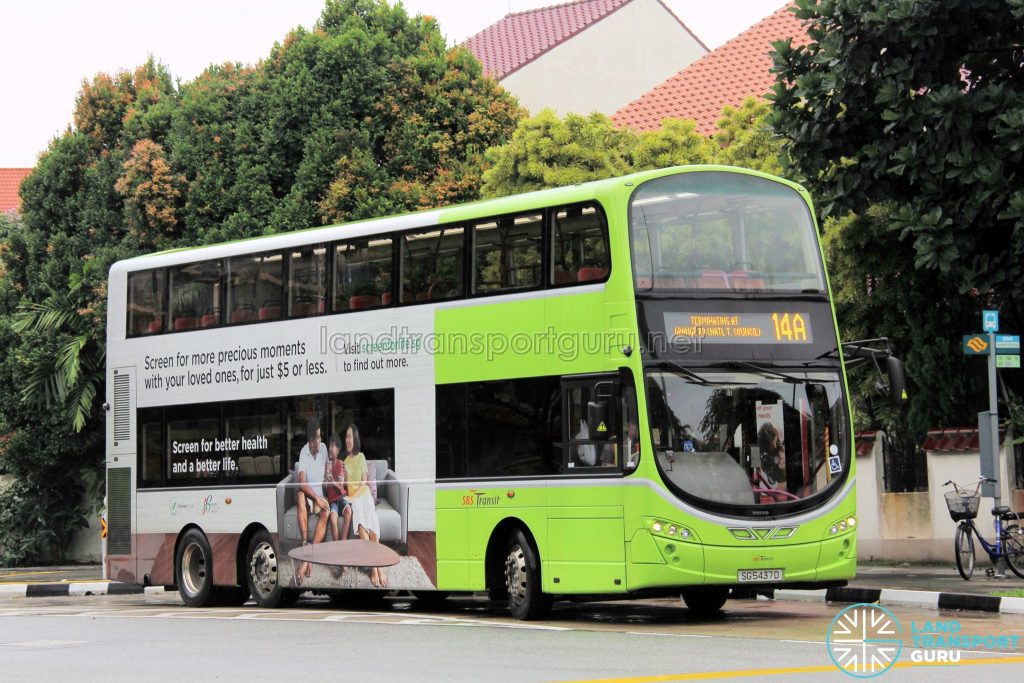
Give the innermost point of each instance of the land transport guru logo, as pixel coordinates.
(864, 640)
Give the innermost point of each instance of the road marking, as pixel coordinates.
(749, 673)
(667, 635)
(46, 643)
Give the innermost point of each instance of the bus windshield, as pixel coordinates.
(722, 231)
(748, 438)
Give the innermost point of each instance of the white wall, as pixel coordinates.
(609, 64)
(916, 527)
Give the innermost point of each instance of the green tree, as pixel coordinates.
(367, 113)
(548, 151)
(910, 116)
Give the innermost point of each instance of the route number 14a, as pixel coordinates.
(789, 327)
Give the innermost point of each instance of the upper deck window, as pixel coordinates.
(723, 231)
(146, 309)
(507, 253)
(195, 295)
(255, 286)
(579, 245)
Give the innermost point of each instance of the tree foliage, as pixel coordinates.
(546, 151)
(366, 113)
(909, 115)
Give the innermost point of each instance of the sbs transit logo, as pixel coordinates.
(864, 640)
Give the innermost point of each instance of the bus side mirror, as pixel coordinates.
(897, 380)
(601, 424)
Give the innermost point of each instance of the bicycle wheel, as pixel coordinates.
(963, 545)
(1013, 546)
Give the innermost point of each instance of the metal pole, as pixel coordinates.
(993, 407)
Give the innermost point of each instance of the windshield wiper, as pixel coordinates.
(766, 370)
(690, 374)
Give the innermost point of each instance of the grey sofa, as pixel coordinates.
(392, 509)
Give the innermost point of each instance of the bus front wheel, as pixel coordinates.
(195, 569)
(703, 602)
(261, 573)
(526, 601)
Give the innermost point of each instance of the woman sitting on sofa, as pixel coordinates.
(364, 512)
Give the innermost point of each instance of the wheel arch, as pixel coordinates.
(494, 560)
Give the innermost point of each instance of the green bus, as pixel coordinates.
(628, 387)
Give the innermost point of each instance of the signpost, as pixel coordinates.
(1003, 351)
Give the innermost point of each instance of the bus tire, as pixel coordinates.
(194, 567)
(261, 573)
(703, 602)
(526, 600)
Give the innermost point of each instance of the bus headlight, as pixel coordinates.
(845, 524)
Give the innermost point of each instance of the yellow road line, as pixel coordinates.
(7, 576)
(748, 673)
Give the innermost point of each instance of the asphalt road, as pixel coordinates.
(156, 638)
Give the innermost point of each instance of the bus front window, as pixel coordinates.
(722, 231)
(748, 438)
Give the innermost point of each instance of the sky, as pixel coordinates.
(47, 47)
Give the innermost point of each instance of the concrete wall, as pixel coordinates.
(609, 64)
(916, 527)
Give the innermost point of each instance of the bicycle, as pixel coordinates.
(1009, 544)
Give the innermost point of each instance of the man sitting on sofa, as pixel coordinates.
(309, 497)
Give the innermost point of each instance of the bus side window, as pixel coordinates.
(146, 311)
(362, 274)
(507, 253)
(588, 444)
(431, 265)
(579, 245)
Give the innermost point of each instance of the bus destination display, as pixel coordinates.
(777, 327)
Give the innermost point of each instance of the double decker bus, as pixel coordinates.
(627, 387)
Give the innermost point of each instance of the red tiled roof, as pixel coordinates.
(864, 442)
(10, 181)
(727, 75)
(520, 38)
(964, 439)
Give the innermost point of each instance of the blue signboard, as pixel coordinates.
(1008, 344)
(990, 321)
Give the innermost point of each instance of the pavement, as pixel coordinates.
(913, 585)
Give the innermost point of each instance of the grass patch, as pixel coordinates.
(1011, 593)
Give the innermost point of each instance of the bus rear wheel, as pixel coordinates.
(194, 569)
(526, 601)
(704, 602)
(262, 573)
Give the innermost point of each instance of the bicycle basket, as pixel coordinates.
(962, 505)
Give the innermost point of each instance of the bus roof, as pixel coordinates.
(423, 219)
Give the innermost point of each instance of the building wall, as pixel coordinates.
(916, 527)
(607, 65)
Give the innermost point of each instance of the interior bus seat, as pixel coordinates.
(246, 466)
(277, 464)
(185, 322)
(443, 289)
(713, 279)
(303, 307)
(563, 276)
(385, 299)
(155, 326)
(590, 273)
(270, 309)
(675, 283)
(364, 301)
(210, 319)
(264, 465)
(745, 281)
(321, 304)
(243, 313)
(644, 283)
